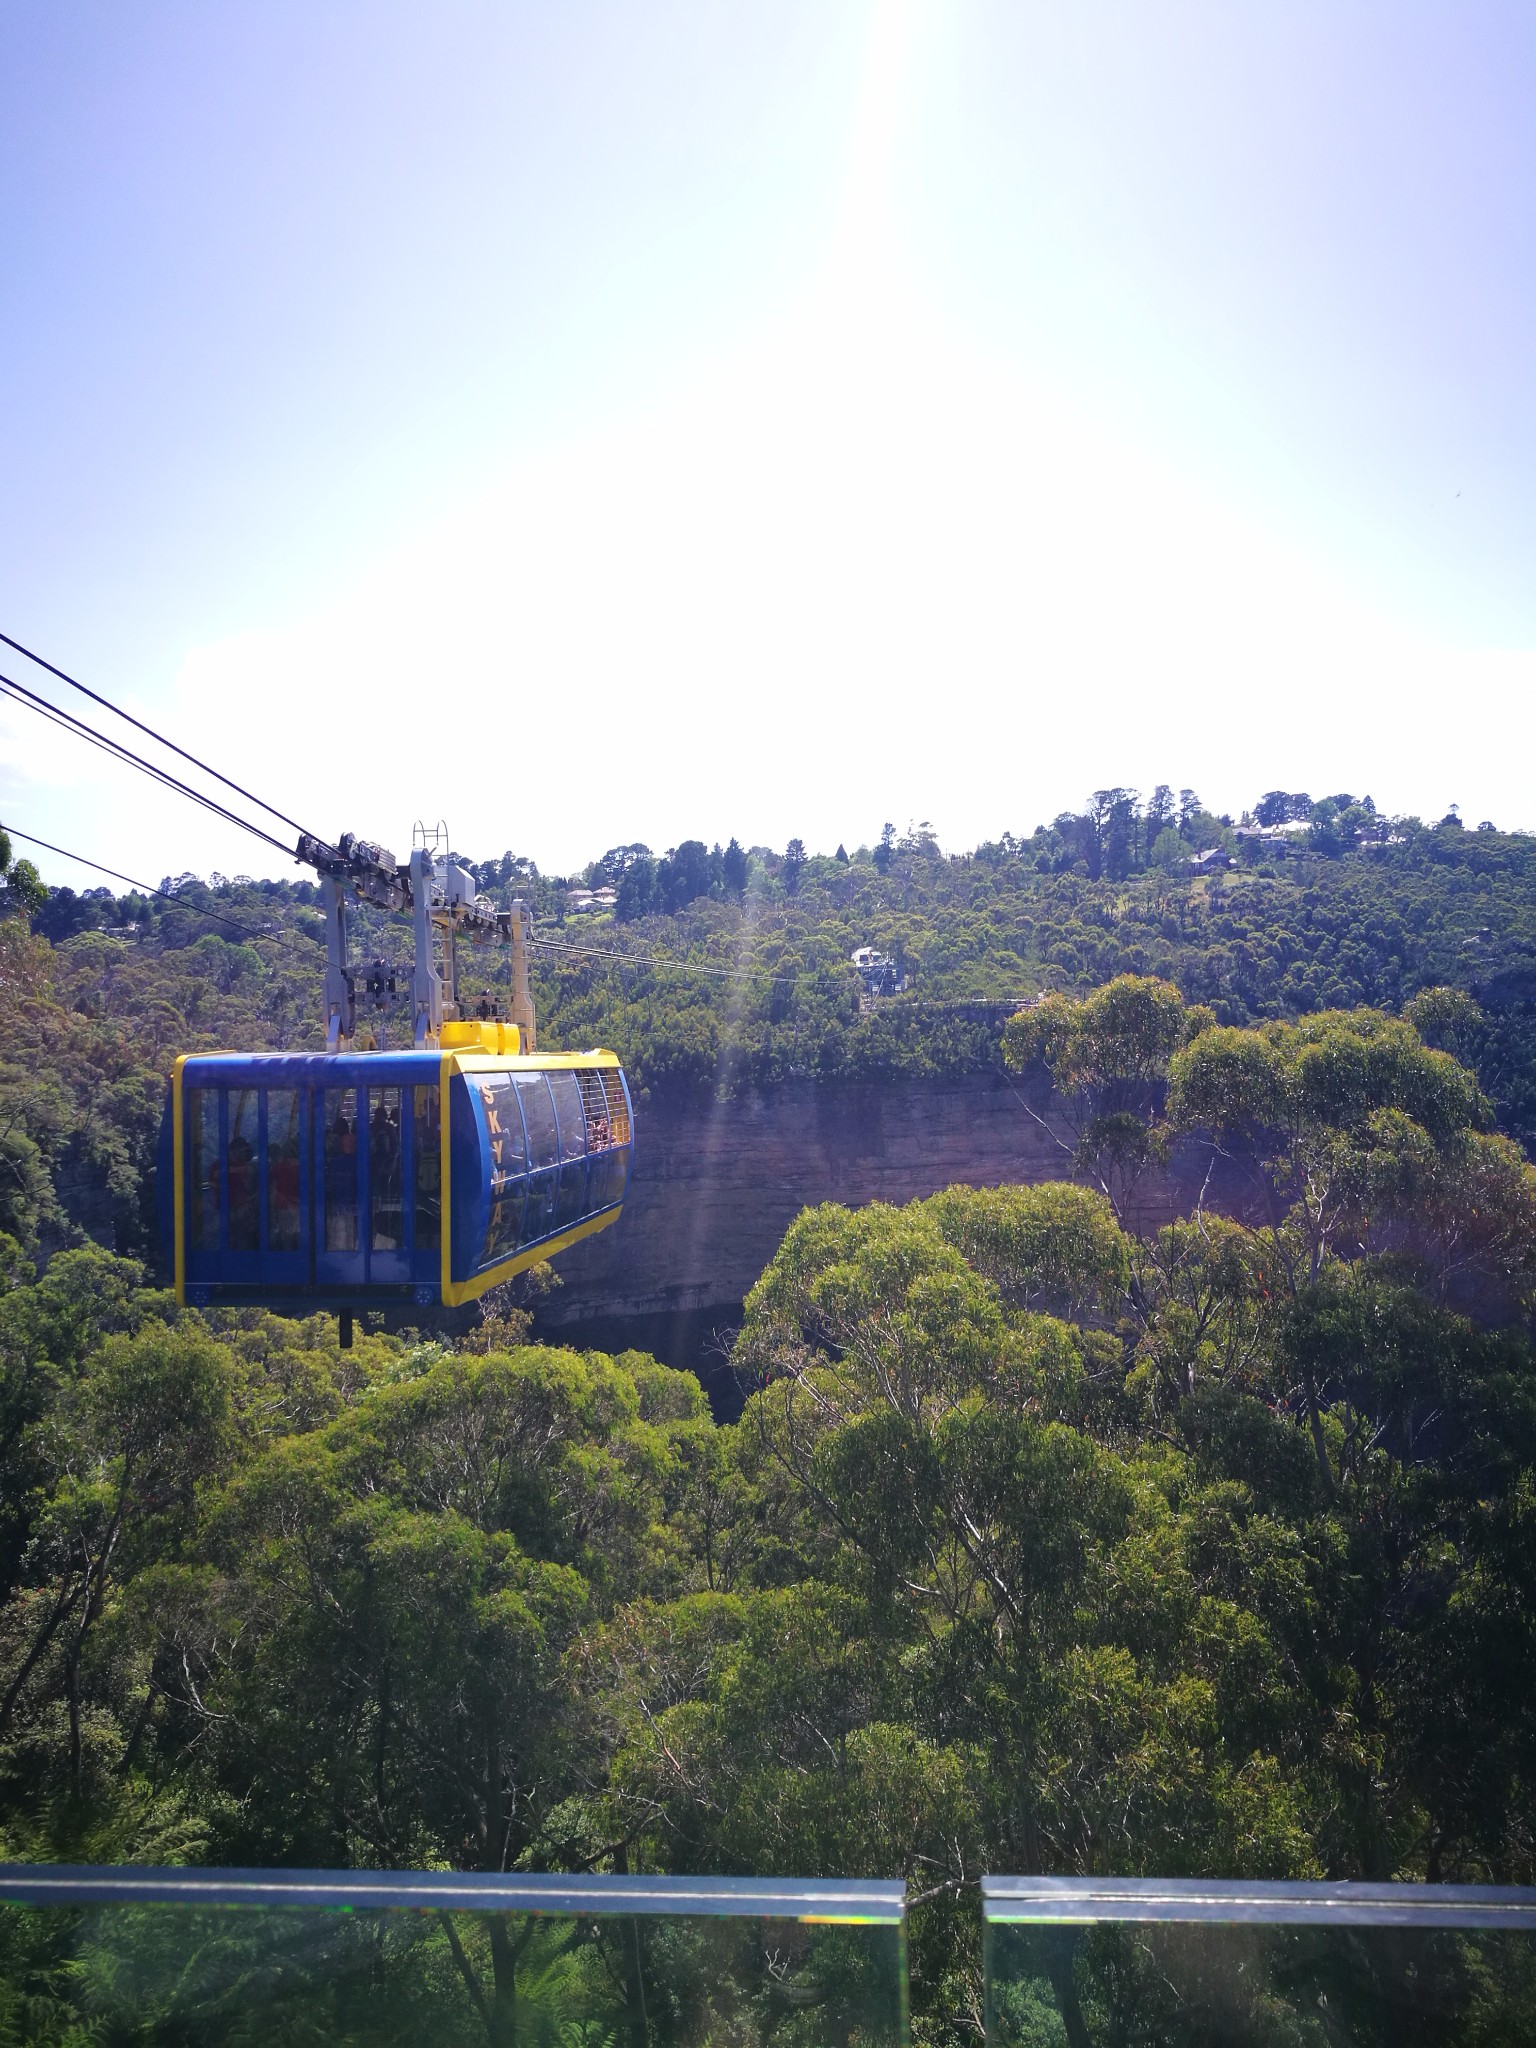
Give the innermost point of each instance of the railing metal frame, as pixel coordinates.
(853, 1902)
(1078, 1901)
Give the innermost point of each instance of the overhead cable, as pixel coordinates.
(70, 723)
(144, 888)
(118, 712)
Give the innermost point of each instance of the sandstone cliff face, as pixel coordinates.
(716, 1185)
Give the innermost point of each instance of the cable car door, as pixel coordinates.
(285, 1182)
(340, 1260)
(360, 1213)
(246, 1176)
(389, 1137)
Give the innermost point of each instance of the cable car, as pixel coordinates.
(363, 1179)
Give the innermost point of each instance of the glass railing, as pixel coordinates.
(1085, 1963)
(297, 1959)
(329, 1959)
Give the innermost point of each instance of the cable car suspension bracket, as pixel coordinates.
(443, 898)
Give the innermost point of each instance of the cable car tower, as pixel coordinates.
(444, 902)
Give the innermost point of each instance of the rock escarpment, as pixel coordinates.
(716, 1184)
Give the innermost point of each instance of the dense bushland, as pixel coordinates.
(748, 981)
(1039, 1544)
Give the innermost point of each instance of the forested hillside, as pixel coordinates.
(738, 974)
(1287, 931)
(1039, 1545)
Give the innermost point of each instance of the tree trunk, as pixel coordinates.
(1060, 1945)
(503, 2014)
(638, 2027)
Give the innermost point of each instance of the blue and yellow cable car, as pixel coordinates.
(319, 1179)
(354, 1179)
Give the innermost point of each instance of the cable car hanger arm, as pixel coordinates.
(443, 898)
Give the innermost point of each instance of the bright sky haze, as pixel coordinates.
(592, 424)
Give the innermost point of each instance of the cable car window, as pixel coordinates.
(539, 1115)
(283, 1169)
(504, 1125)
(244, 1169)
(508, 1163)
(595, 1103)
(566, 1090)
(618, 1107)
(607, 1184)
(573, 1117)
(539, 1216)
(202, 1112)
(505, 1225)
(340, 1169)
(385, 1167)
(573, 1187)
(428, 1171)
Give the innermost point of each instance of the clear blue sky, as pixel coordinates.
(594, 424)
